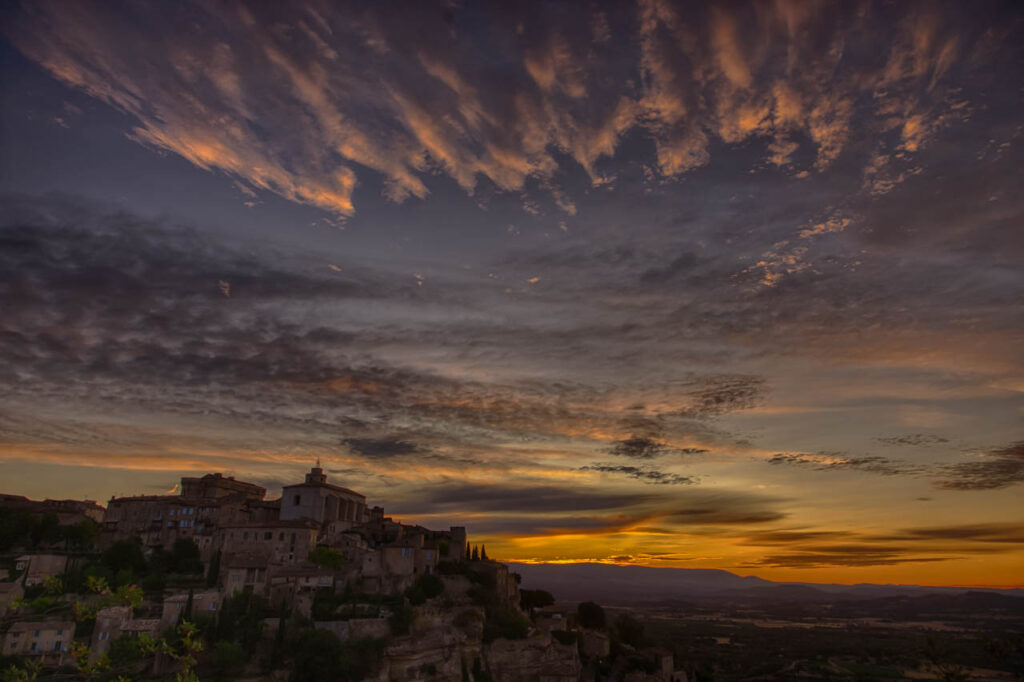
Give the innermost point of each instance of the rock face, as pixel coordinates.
(538, 658)
(441, 644)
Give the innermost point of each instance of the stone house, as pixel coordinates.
(9, 592)
(39, 567)
(281, 541)
(206, 603)
(245, 572)
(48, 640)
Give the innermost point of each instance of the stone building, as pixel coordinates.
(204, 505)
(39, 567)
(281, 541)
(323, 502)
(48, 640)
(204, 604)
(68, 512)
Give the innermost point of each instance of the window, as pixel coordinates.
(213, 606)
(56, 645)
(407, 551)
(35, 647)
(280, 537)
(298, 499)
(269, 535)
(36, 633)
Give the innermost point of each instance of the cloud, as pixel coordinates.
(914, 439)
(312, 102)
(381, 448)
(831, 461)
(853, 556)
(645, 474)
(639, 447)
(995, 469)
(1000, 533)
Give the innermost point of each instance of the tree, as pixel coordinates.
(325, 556)
(185, 557)
(468, 553)
(535, 599)
(630, 630)
(228, 660)
(591, 615)
(476, 554)
(483, 553)
(124, 555)
(213, 574)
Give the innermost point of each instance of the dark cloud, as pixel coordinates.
(639, 447)
(847, 556)
(1005, 533)
(377, 448)
(723, 516)
(914, 439)
(539, 499)
(645, 474)
(997, 468)
(833, 461)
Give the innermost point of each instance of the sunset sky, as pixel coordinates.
(735, 285)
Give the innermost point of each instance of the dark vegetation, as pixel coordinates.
(837, 642)
(36, 532)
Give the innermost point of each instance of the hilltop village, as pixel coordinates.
(219, 582)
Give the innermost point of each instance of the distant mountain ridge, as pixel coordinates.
(620, 585)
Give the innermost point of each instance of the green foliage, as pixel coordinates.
(427, 587)
(241, 619)
(325, 556)
(319, 656)
(401, 619)
(535, 599)
(505, 623)
(591, 615)
(479, 674)
(126, 651)
(629, 630)
(564, 637)
(27, 672)
(185, 557)
(227, 660)
(19, 528)
(125, 555)
(213, 574)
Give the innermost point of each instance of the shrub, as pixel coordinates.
(591, 615)
(401, 619)
(228, 660)
(563, 637)
(535, 599)
(325, 556)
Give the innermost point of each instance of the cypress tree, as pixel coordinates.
(213, 574)
(476, 554)
(467, 552)
(483, 552)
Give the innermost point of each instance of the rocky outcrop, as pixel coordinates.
(539, 657)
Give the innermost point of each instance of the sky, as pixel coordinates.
(725, 285)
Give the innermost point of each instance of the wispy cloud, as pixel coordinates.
(308, 101)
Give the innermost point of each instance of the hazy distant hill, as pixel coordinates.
(610, 584)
